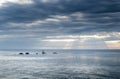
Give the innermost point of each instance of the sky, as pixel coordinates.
(59, 24)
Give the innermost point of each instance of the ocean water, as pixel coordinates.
(66, 64)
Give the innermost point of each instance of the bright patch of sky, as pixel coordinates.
(3, 2)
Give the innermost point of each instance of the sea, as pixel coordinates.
(59, 64)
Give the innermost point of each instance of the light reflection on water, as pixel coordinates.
(60, 66)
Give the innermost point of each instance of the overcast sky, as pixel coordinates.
(59, 24)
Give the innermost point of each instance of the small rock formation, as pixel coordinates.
(27, 53)
(20, 53)
(43, 52)
(54, 52)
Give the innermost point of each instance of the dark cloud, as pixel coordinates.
(97, 16)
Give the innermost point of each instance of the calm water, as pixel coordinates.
(66, 64)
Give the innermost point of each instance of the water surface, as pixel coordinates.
(66, 64)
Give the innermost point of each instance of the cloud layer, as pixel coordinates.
(43, 18)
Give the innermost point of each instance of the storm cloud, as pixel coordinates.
(43, 18)
(101, 14)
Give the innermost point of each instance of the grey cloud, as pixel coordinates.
(97, 16)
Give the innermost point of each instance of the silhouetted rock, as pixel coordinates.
(20, 53)
(27, 53)
(54, 52)
(43, 52)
